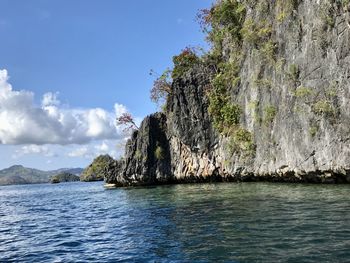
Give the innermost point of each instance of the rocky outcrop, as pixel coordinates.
(147, 155)
(64, 178)
(293, 90)
(96, 170)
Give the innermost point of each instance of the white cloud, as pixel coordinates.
(79, 152)
(50, 99)
(23, 122)
(114, 148)
(34, 149)
(102, 147)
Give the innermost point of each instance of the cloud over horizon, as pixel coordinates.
(23, 122)
(33, 149)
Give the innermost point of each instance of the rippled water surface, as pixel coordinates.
(248, 222)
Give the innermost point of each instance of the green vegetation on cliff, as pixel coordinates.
(225, 21)
(262, 103)
(96, 170)
(236, 30)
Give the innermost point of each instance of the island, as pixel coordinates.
(18, 174)
(64, 178)
(96, 170)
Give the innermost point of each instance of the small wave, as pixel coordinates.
(70, 244)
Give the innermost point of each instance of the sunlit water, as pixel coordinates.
(248, 222)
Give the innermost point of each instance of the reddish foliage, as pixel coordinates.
(161, 87)
(184, 61)
(188, 52)
(127, 120)
(204, 18)
(160, 90)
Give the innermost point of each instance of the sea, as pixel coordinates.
(221, 222)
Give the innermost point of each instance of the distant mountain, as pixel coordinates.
(18, 174)
(75, 171)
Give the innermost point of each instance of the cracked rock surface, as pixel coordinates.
(308, 139)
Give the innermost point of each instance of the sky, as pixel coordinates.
(68, 68)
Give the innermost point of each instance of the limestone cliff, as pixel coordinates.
(270, 101)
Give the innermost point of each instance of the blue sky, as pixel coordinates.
(80, 61)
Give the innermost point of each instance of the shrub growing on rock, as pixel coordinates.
(302, 92)
(159, 153)
(183, 62)
(323, 107)
(269, 114)
(161, 87)
(242, 141)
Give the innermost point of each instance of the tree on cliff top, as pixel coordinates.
(161, 87)
(128, 121)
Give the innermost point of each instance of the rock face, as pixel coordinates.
(147, 155)
(295, 104)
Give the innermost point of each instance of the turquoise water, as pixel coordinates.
(246, 222)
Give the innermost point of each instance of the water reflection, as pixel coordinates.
(241, 221)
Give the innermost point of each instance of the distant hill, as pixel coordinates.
(18, 174)
(75, 171)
